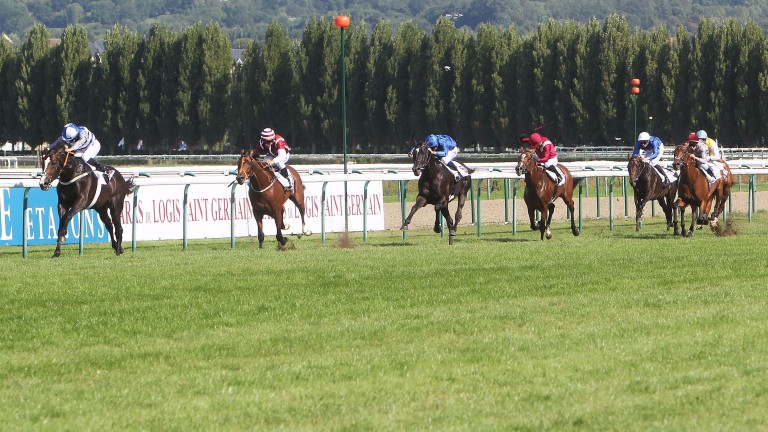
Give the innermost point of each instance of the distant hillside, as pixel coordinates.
(248, 19)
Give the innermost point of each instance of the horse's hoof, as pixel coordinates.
(286, 226)
(307, 233)
(549, 236)
(576, 232)
(452, 233)
(689, 234)
(437, 229)
(404, 228)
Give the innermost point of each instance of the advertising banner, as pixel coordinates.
(159, 213)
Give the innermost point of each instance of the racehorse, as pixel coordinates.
(541, 192)
(695, 191)
(268, 196)
(648, 186)
(80, 188)
(438, 187)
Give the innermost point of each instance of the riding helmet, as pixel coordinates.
(70, 132)
(535, 139)
(644, 136)
(692, 137)
(431, 141)
(702, 134)
(268, 134)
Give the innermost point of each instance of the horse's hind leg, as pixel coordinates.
(298, 201)
(570, 205)
(107, 220)
(550, 213)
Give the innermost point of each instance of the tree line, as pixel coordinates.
(484, 88)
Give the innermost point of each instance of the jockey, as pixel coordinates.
(545, 154)
(701, 155)
(276, 151)
(654, 149)
(445, 148)
(713, 150)
(81, 141)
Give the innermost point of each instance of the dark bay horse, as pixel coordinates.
(268, 196)
(541, 192)
(648, 186)
(80, 188)
(695, 191)
(437, 187)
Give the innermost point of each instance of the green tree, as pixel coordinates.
(8, 108)
(214, 85)
(409, 80)
(121, 101)
(252, 74)
(711, 76)
(319, 103)
(31, 85)
(71, 77)
(380, 99)
(278, 84)
(156, 116)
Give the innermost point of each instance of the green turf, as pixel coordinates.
(611, 330)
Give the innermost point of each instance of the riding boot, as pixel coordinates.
(664, 179)
(103, 168)
(288, 177)
(557, 174)
(454, 170)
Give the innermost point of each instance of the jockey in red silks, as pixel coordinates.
(276, 152)
(546, 155)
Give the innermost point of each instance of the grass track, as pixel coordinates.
(607, 331)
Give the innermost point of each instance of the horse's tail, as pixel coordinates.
(576, 180)
(129, 184)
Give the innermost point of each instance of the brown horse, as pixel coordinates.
(541, 192)
(648, 186)
(268, 196)
(437, 187)
(81, 188)
(695, 191)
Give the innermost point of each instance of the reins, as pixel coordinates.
(261, 168)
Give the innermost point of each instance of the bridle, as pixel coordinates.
(244, 172)
(525, 160)
(643, 167)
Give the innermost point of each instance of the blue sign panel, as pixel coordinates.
(43, 219)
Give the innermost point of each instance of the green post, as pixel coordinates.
(342, 22)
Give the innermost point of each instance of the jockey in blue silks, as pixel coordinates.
(445, 148)
(654, 149)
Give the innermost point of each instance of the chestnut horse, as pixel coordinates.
(81, 188)
(437, 187)
(541, 192)
(268, 196)
(648, 186)
(695, 191)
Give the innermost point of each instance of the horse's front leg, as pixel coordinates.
(65, 216)
(532, 217)
(421, 201)
(550, 213)
(639, 205)
(260, 227)
(673, 211)
(279, 225)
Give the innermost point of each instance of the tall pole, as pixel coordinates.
(635, 92)
(342, 22)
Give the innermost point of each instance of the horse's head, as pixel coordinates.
(635, 169)
(421, 155)
(681, 153)
(53, 161)
(244, 166)
(525, 162)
